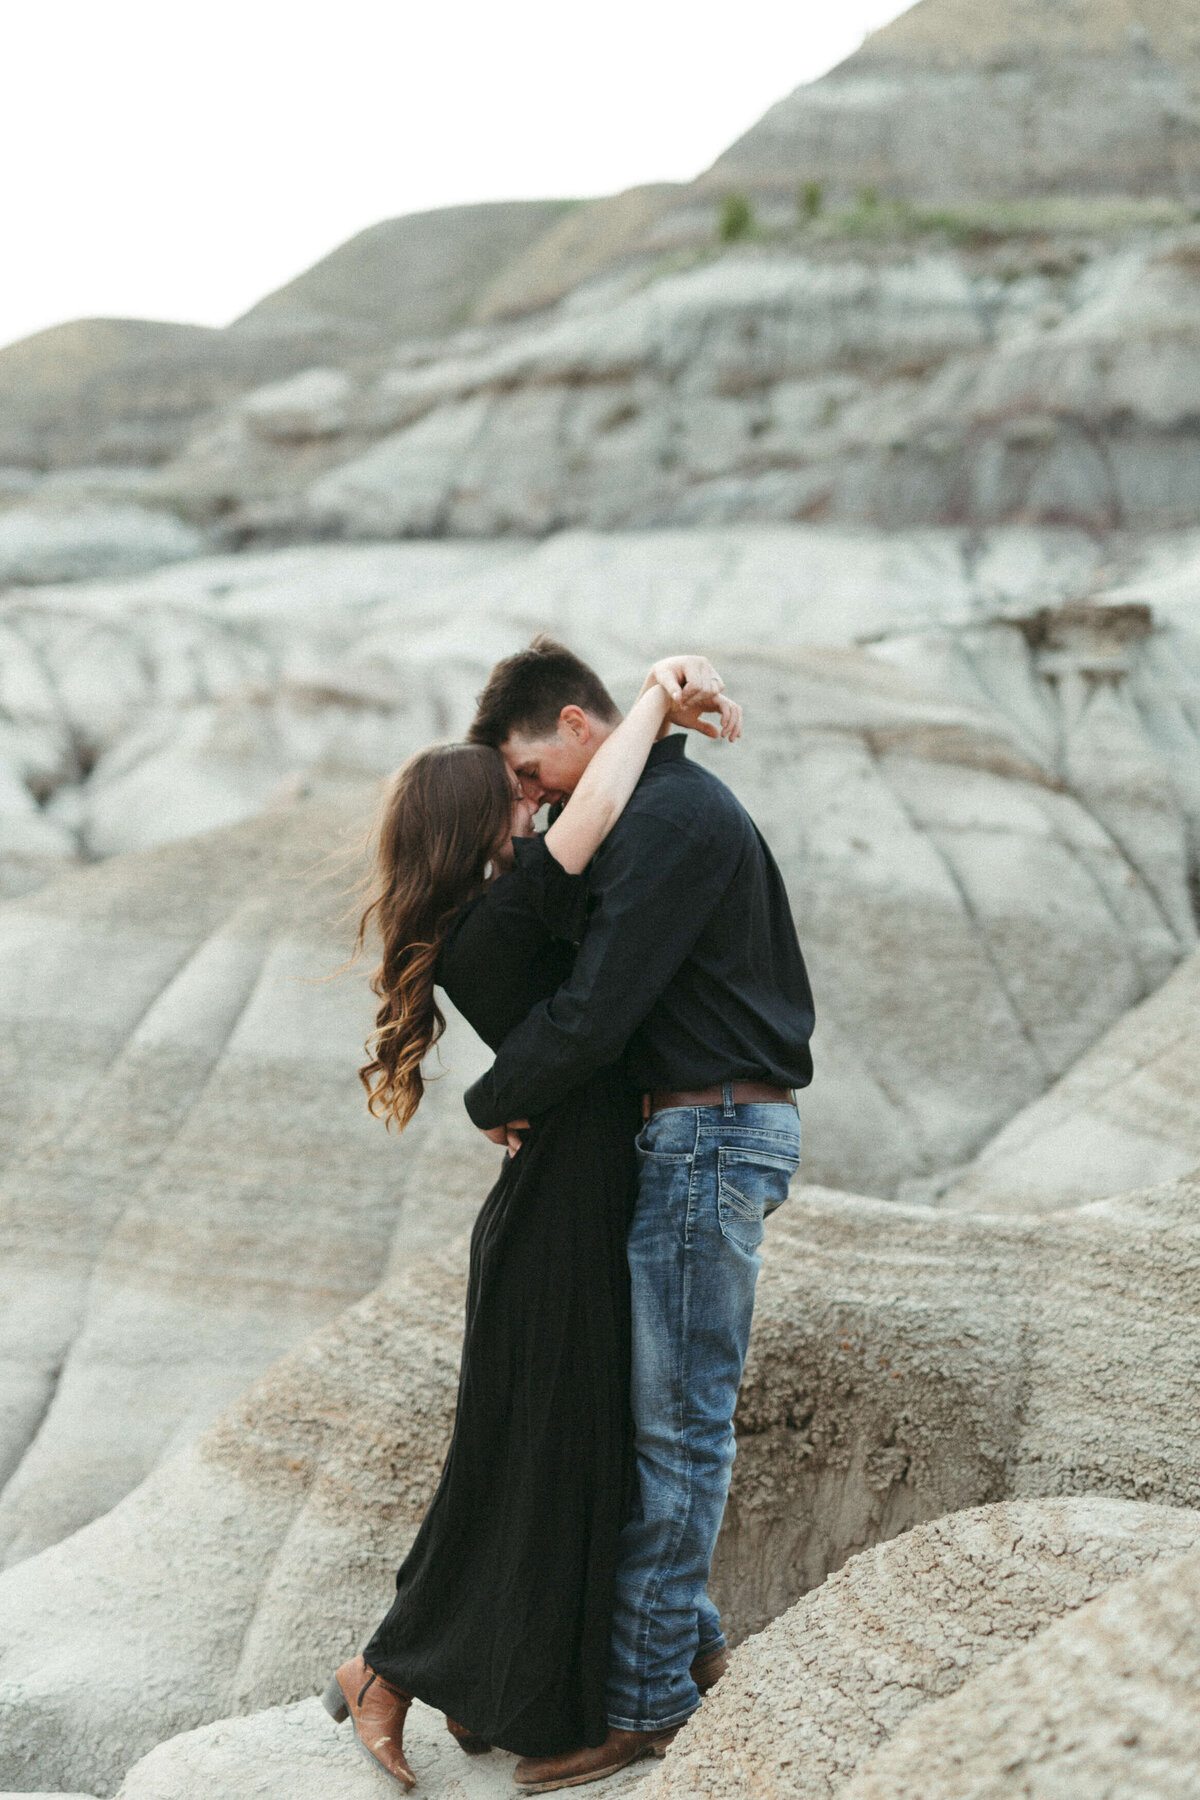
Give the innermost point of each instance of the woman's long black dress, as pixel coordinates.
(503, 1605)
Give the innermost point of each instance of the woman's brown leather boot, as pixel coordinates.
(377, 1710)
(470, 1741)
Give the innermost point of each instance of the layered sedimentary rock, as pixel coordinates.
(191, 1183)
(900, 382)
(906, 1363)
(811, 1698)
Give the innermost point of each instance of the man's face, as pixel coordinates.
(548, 768)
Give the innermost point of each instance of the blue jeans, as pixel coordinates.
(708, 1175)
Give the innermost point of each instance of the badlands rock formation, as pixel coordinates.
(814, 1695)
(70, 540)
(916, 461)
(906, 1364)
(894, 383)
(1024, 349)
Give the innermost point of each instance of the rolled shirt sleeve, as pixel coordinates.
(653, 886)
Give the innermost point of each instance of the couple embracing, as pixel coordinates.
(636, 973)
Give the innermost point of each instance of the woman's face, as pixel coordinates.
(520, 825)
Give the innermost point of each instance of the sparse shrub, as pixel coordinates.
(868, 200)
(736, 219)
(810, 201)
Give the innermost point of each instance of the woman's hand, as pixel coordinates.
(678, 691)
(694, 688)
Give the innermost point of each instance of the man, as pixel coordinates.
(690, 969)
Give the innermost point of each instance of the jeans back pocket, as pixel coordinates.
(750, 1184)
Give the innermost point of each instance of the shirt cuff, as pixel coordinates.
(559, 900)
(481, 1107)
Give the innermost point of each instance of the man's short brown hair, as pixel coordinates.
(528, 691)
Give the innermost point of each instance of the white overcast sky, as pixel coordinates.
(165, 160)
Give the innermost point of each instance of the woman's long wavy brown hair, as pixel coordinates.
(441, 820)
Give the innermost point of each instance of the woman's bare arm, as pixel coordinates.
(606, 784)
(677, 691)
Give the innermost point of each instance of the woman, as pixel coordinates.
(502, 1611)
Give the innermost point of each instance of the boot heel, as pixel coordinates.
(470, 1741)
(334, 1702)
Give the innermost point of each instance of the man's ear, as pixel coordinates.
(574, 723)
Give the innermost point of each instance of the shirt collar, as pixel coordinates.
(668, 749)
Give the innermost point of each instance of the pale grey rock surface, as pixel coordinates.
(811, 1698)
(1130, 1104)
(905, 1364)
(196, 1185)
(297, 1751)
(1103, 1706)
(60, 542)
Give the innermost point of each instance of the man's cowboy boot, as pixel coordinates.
(467, 1740)
(377, 1710)
(708, 1666)
(540, 1774)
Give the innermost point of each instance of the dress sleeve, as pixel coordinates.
(559, 900)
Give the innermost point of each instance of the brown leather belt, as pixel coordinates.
(745, 1093)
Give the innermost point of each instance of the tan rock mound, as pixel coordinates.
(417, 276)
(588, 241)
(1103, 1704)
(905, 1364)
(809, 1699)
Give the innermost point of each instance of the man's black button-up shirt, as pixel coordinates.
(689, 964)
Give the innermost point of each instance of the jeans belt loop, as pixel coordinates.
(727, 1097)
